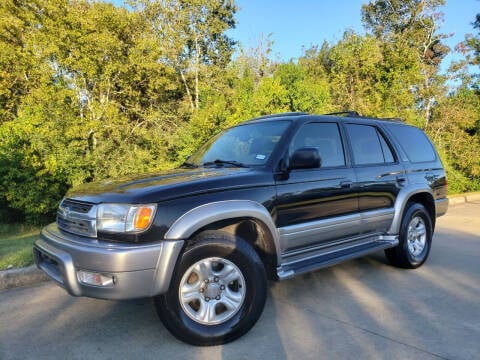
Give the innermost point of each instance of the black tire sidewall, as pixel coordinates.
(245, 258)
(412, 211)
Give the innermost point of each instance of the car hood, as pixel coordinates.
(167, 185)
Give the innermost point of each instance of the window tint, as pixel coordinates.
(249, 144)
(368, 145)
(325, 137)
(414, 142)
(387, 152)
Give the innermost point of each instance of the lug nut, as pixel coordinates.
(217, 297)
(222, 287)
(207, 298)
(215, 279)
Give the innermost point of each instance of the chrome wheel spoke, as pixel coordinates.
(416, 236)
(420, 230)
(203, 270)
(414, 222)
(212, 291)
(229, 274)
(206, 312)
(231, 299)
(190, 292)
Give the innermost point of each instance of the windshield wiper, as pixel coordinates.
(220, 162)
(188, 165)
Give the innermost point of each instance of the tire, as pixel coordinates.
(217, 293)
(415, 238)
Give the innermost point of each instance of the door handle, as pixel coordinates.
(401, 180)
(346, 184)
(430, 177)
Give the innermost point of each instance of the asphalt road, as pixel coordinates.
(363, 309)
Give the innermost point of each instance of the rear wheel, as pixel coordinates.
(217, 293)
(415, 238)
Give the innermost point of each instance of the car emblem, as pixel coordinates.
(65, 211)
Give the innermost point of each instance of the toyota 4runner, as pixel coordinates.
(273, 197)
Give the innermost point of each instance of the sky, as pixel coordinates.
(298, 24)
(295, 25)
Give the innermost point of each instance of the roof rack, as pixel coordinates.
(281, 114)
(356, 114)
(346, 113)
(392, 119)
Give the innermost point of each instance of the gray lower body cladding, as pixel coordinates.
(137, 270)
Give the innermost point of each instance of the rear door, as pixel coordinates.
(380, 176)
(317, 205)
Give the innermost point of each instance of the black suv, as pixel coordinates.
(273, 197)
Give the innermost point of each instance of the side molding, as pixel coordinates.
(193, 220)
(400, 203)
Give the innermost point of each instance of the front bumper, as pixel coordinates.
(138, 270)
(441, 206)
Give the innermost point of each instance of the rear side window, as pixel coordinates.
(368, 145)
(414, 142)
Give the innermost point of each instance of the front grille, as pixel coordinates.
(80, 227)
(77, 217)
(77, 206)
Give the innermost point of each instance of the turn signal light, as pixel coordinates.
(142, 218)
(96, 279)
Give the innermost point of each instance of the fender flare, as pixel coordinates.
(193, 220)
(401, 202)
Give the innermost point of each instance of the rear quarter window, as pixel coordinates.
(414, 143)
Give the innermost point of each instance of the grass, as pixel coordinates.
(16, 242)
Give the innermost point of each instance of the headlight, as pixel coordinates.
(124, 218)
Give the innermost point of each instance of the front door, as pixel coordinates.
(317, 205)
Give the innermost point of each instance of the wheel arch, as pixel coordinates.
(423, 196)
(243, 218)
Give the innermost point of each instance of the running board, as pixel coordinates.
(333, 255)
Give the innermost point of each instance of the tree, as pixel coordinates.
(191, 35)
(92, 100)
(304, 93)
(455, 129)
(473, 42)
(470, 48)
(412, 24)
(353, 69)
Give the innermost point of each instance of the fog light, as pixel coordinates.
(97, 279)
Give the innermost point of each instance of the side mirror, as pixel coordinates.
(305, 158)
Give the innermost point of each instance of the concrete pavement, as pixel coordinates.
(363, 309)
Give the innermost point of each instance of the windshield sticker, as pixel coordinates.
(260, 157)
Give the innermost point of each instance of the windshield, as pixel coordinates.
(244, 145)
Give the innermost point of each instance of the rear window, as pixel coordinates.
(414, 142)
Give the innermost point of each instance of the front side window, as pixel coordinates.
(325, 137)
(368, 145)
(244, 145)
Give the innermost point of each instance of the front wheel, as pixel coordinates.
(415, 238)
(217, 293)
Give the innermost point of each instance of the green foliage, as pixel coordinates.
(16, 245)
(90, 91)
(412, 26)
(304, 93)
(455, 129)
(87, 98)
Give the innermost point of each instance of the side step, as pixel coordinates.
(328, 256)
